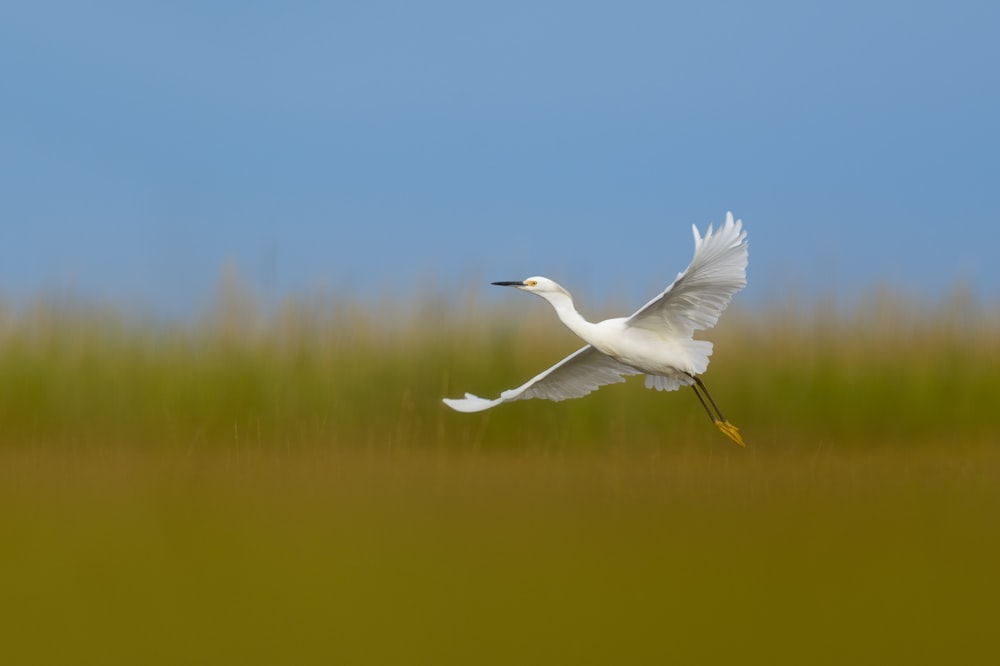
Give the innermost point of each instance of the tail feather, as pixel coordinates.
(668, 383)
(698, 351)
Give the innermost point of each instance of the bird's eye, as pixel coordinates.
(531, 283)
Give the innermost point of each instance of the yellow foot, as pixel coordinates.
(730, 431)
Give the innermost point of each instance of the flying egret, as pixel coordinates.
(655, 341)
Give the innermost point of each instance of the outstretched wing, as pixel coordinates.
(698, 295)
(578, 374)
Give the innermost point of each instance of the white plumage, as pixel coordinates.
(656, 341)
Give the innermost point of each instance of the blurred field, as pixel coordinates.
(288, 488)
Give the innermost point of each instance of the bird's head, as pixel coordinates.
(540, 286)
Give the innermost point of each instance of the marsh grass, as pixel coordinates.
(286, 487)
(334, 374)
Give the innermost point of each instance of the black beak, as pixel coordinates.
(516, 283)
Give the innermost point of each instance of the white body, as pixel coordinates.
(656, 341)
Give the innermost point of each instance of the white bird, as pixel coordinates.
(656, 341)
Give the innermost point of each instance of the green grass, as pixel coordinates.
(289, 489)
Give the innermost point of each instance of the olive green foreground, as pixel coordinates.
(289, 489)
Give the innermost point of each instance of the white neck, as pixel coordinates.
(574, 321)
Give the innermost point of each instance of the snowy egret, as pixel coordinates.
(655, 341)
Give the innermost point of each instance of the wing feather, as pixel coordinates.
(580, 373)
(699, 294)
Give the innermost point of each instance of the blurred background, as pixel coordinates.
(245, 248)
(362, 148)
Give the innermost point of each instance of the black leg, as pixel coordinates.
(708, 395)
(727, 428)
(711, 416)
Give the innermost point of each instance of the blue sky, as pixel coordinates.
(366, 147)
